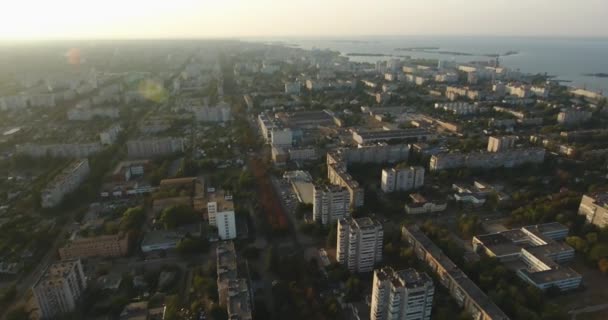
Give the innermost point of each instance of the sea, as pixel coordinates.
(567, 59)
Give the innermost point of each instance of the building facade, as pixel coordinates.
(402, 179)
(331, 203)
(64, 183)
(595, 209)
(359, 243)
(59, 288)
(401, 295)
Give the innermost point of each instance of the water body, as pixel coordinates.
(566, 58)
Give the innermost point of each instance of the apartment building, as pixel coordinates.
(153, 147)
(402, 179)
(367, 137)
(219, 113)
(401, 295)
(488, 160)
(359, 243)
(331, 203)
(116, 245)
(500, 144)
(573, 116)
(59, 288)
(458, 108)
(466, 293)
(109, 136)
(293, 87)
(220, 212)
(233, 291)
(60, 150)
(88, 114)
(595, 209)
(539, 250)
(65, 182)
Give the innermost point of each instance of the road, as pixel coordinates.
(588, 309)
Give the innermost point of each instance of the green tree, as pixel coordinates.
(176, 216)
(132, 219)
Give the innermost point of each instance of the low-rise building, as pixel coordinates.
(419, 204)
(367, 137)
(538, 249)
(106, 246)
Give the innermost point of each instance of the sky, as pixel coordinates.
(120, 19)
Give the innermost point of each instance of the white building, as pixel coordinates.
(293, 87)
(145, 148)
(61, 150)
(402, 179)
(219, 113)
(220, 210)
(59, 288)
(401, 295)
(281, 137)
(499, 144)
(595, 209)
(65, 182)
(573, 116)
(110, 135)
(331, 203)
(359, 243)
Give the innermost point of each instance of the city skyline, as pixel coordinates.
(113, 19)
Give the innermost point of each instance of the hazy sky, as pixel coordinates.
(35, 19)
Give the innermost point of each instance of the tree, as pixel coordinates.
(18, 314)
(190, 246)
(132, 219)
(578, 243)
(176, 216)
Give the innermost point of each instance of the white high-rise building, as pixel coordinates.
(58, 289)
(359, 244)
(401, 295)
(402, 179)
(220, 211)
(331, 203)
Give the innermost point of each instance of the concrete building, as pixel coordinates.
(154, 147)
(59, 288)
(88, 114)
(281, 137)
(109, 136)
(331, 203)
(116, 245)
(573, 116)
(60, 150)
(234, 293)
(64, 183)
(488, 160)
(458, 108)
(402, 179)
(418, 204)
(302, 154)
(466, 293)
(220, 210)
(219, 113)
(534, 253)
(367, 137)
(595, 209)
(401, 295)
(359, 243)
(499, 144)
(293, 87)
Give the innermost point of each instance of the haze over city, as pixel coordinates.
(111, 19)
(303, 160)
